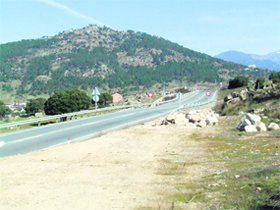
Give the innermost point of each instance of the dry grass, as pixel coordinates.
(243, 170)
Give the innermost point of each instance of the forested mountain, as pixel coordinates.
(100, 56)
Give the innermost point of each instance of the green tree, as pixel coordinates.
(275, 77)
(66, 101)
(239, 81)
(105, 99)
(259, 84)
(34, 105)
(4, 110)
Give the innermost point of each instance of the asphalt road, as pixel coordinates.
(85, 128)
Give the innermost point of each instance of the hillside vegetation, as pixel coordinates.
(99, 56)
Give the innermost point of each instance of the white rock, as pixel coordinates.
(194, 118)
(191, 112)
(240, 113)
(261, 126)
(250, 128)
(180, 119)
(228, 98)
(201, 124)
(212, 120)
(253, 118)
(39, 114)
(273, 126)
(244, 122)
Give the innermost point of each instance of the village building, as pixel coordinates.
(117, 97)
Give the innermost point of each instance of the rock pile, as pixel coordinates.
(202, 118)
(255, 95)
(253, 123)
(235, 97)
(197, 118)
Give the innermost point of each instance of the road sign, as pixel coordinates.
(95, 94)
(95, 91)
(208, 93)
(179, 96)
(95, 98)
(150, 94)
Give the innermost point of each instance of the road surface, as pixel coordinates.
(82, 129)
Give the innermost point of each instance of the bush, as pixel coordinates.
(67, 101)
(239, 81)
(4, 110)
(259, 84)
(34, 105)
(183, 90)
(105, 99)
(275, 77)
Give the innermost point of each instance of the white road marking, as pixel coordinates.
(65, 129)
(2, 143)
(91, 123)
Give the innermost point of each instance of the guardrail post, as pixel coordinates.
(56, 120)
(39, 124)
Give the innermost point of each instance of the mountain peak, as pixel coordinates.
(112, 60)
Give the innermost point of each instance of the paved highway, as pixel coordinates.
(82, 129)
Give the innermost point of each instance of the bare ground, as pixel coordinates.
(127, 169)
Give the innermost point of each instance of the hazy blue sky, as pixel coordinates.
(209, 26)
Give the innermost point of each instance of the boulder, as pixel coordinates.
(250, 128)
(212, 120)
(194, 118)
(201, 124)
(257, 111)
(254, 119)
(228, 98)
(243, 123)
(39, 114)
(273, 126)
(243, 95)
(180, 119)
(235, 95)
(241, 113)
(234, 100)
(261, 126)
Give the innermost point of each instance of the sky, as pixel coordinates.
(207, 26)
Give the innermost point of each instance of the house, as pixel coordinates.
(117, 97)
(10, 105)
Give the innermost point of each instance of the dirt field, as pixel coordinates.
(127, 169)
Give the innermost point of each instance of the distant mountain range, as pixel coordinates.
(270, 61)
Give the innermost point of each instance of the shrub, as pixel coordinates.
(34, 105)
(4, 110)
(239, 81)
(275, 77)
(66, 101)
(259, 84)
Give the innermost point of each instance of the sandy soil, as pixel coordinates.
(121, 170)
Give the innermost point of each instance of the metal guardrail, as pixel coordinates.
(73, 114)
(57, 117)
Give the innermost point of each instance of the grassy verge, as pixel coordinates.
(241, 171)
(250, 175)
(237, 170)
